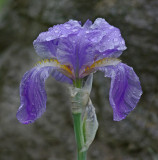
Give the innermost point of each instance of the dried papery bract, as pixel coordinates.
(90, 125)
(81, 103)
(80, 96)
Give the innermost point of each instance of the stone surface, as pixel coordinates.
(51, 137)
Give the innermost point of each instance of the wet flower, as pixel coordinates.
(70, 52)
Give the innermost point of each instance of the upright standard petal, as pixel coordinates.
(125, 90)
(111, 43)
(47, 42)
(91, 43)
(33, 94)
(78, 46)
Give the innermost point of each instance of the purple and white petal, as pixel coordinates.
(125, 90)
(87, 24)
(47, 42)
(93, 42)
(77, 46)
(111, 43)
(32, 92)
(58, 76)
(72, 51)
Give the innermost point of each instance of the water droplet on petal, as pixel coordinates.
(115, 39)
(48, 38)
(62, 36)
(74, 30)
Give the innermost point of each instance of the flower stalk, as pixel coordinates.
(77, 119)
(84, 117)
(79, 136)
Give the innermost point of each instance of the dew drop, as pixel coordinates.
(62, 36)
(67, 26)
(56, 31)
(111, 27)
(74, 30)
(48, 38)
(115, 39)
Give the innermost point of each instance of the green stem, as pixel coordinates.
(77, 118)
(79, 135)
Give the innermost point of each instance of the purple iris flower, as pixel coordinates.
(72, 51)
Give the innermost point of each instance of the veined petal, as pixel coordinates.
(87, 24)
(125, 90)
(33, 95)
(66, 70)
(47, 42)
(111, 43)
(32, 92)
(75, 45)
(58, 76)
(96, 65)
(73, 50)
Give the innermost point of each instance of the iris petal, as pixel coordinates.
(33, 94)
(61, 77)
(111, 43)
(125, 90)
(75, 45)
(47, 42)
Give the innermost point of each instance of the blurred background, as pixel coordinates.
(51, 137)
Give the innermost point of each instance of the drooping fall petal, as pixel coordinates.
(33, 94)
(125, 90)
